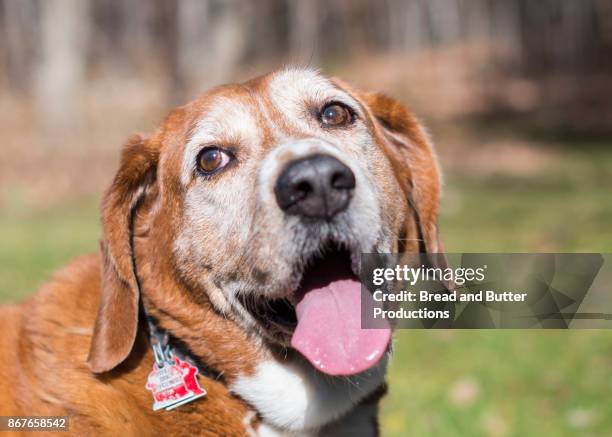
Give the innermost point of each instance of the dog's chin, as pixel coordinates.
(277, 316)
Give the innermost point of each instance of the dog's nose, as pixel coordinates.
(317, 186)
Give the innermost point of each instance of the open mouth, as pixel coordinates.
(322, 317)
(279, 316)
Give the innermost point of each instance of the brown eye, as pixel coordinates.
(212, 159)
(335, 114)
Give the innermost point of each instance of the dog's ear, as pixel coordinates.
(415, 164)
(117, 320)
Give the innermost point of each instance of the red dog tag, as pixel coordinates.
(173, 385)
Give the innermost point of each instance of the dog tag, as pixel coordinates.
(174, 384)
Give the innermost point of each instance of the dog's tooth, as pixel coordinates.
(356, 262)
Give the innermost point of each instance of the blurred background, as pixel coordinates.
(516, 94)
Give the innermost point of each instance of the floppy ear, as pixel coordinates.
(415, 164)
(117, 320)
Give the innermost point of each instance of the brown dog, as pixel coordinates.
(231, 241)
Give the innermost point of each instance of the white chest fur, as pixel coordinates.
(294, 396)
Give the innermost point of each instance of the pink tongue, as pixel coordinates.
(329, 331)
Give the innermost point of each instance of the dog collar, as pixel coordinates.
(173, 380)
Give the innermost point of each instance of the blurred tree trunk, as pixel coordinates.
(168, 29)
(557, 35)
(211, 41)
(18, 21)
(475, 19)
(505, 25)
(193, 39)
(61, 66)
(444, 20)
(304, 31)
(138, 33)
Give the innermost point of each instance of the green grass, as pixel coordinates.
(442, 383)
(566, 209)
(525, 383)
(34, 244)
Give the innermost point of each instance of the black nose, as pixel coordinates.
(318, 186)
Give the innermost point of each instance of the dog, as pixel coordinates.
(231, 247)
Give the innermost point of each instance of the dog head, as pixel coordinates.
(258, 199)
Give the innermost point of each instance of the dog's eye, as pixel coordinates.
(212, 159)
(336, 115)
